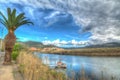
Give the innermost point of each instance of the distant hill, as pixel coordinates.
(112, 44)
(33, 44)
(36, 44)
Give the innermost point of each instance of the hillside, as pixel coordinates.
(112, 44)
(35, 44)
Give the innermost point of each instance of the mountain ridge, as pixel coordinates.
(110, 44)
(36, 44)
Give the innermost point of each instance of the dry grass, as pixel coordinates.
(32, 68)
(88, 51)
(82, 76)
(96, 51)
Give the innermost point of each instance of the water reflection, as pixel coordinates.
(94, 67)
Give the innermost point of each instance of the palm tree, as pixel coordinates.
(11, 22)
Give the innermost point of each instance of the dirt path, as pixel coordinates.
(8, 72)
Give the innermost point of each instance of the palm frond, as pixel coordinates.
(13, 21)
(20, 16)
(5, 19)
(24, 22)
(9, 16)
(13, 16)
(4, 23)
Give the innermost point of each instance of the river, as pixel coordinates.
(95, 68)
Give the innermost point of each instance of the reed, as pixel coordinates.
(83, 76)
(115, 51)
(32, 68)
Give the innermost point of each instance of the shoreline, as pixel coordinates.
(99, 52)
(83, 54)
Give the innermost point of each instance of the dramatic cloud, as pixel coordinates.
(100, 17)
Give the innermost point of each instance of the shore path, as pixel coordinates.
(6, 71)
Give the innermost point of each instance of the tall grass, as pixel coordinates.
(81, 75)
(87, 51)
(32, 68)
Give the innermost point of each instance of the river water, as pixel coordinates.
(95, 68)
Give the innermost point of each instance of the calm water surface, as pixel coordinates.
(93, 66)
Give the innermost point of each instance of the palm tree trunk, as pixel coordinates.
(9, 44)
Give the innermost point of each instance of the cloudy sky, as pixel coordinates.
(68, 22)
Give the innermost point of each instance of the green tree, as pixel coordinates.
(11, 22)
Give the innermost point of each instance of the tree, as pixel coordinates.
(11, 22)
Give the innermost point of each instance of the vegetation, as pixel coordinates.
(32, 68)
(11, 23)
(115, 51)
(1, 45)
(36, 44)
(16, 50)
(91, 76)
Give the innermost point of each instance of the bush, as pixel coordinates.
(16, 51)
(15, 55)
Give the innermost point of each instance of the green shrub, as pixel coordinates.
(16, 51)
(15, 55)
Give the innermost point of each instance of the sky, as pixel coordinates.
(67, 23)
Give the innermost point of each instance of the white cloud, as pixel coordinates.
(55, 42)
(60, 43)
(64, 42)
(100, 17)
(30, 11)
(50, 22)
(52, 15)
